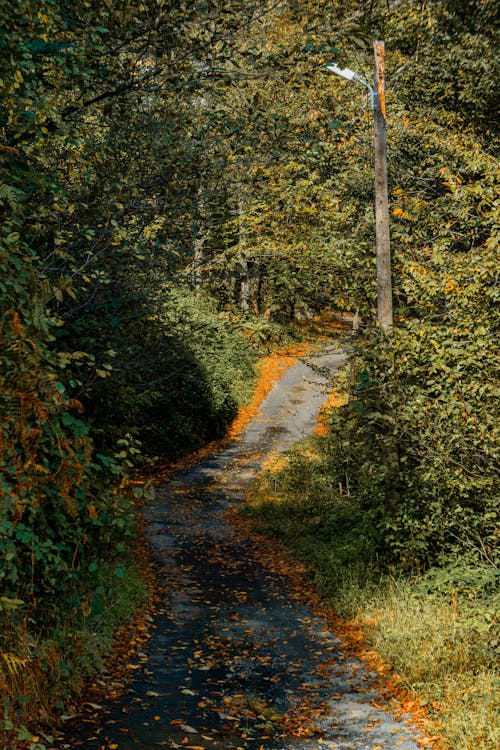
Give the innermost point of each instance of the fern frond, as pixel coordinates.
(11, 663)
(8, 195)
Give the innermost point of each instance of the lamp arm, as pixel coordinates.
(369, 87)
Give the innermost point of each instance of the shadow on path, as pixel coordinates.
(236, 659)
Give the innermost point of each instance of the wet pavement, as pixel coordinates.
(237, 660)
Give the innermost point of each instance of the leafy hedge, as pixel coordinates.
(177, 376)
(417, 442)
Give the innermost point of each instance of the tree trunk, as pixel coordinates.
(199, 239)
(249, 289)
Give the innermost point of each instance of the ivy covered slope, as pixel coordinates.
(104, 360)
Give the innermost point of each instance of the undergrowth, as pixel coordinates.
(55, 637)
(41, 668)
(437, 628)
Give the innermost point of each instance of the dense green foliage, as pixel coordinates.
(169, 171)
(177, 380)
(418, 441)
(419, 435)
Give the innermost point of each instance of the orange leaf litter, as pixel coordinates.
(352, 634)
(271, 369)
(334, 400)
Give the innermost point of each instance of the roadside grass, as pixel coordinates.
(437, 630)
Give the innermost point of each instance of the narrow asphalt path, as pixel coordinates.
(237, 660)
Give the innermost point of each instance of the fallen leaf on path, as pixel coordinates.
(187, 728)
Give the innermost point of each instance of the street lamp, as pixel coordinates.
(350, 75)
(377, 96)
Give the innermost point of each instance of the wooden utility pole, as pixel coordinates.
(384, 282)
(389, 443)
